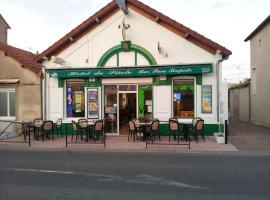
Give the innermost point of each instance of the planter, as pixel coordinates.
(219, 138)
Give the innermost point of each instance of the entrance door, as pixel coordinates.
(127, 110)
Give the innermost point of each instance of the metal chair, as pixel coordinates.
(74, 130)
(174, 129)
(133, 130)
(199, 129)
(192, 128)
(46, 130)
(37, 127)
(58, 127)
(98, 131)
(153, 131)
(82, 127)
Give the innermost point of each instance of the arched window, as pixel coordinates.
(126, 54)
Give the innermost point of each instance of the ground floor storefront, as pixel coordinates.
(122, 94)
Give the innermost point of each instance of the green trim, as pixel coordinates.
(61, 82)
(136, 58)
(157, 81)
(199, 79)
(117, 59)
(152, 70)
(96, 83)
(122, 48)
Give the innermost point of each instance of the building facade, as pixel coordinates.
(3, 30)
(260, 70)
(139, 65)
(19, 84)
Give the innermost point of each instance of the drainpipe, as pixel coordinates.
(43, 86)
(220, 60)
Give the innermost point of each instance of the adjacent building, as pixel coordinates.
(19, 84)
(3, 29)
(260, 70)
(134, 62)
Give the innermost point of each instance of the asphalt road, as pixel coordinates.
(113, 175)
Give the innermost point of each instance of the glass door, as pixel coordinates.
(110, 108)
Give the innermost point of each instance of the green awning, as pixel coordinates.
(169, 70)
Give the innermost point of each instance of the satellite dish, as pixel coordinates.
(122, 5)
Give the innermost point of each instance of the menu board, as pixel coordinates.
(206, 99)
(92, 103)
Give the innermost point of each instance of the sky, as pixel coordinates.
(37, 24)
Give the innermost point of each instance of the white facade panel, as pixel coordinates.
(56, 103)
(162, 102)
(127, 59)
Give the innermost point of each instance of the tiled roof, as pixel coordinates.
(260, 27)
(27, 59)
(151, 13)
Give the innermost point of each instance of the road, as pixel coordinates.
(37, 175)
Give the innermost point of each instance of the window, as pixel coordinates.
(183, 98)
(7, 103)
(75, 106)
(145, 101)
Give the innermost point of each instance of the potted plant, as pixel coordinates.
(220, 138)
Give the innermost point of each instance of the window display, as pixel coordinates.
(75, 106)
(206, 99)
(183, 98)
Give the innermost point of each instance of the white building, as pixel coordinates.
(142, 64)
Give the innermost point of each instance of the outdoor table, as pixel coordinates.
(143, 126)
(186, 126)
(90, 127)
(28, 126)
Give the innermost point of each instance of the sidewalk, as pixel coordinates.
(246, 136)
(120, 143)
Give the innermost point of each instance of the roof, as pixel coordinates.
(143, 9)
(1, 17)
(258, 29)
(26, 58)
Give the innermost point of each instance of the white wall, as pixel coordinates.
(145, 33)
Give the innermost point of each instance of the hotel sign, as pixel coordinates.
(132, 71)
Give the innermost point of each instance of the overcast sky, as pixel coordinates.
(37, 24)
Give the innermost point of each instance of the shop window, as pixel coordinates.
(183, 98)
(7, 103)
(75, 106)
(145, 101)
(110, 108)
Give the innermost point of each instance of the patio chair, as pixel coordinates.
(174, 129)
(191, 129)
(199, 129)
(37, 127)
(82, 128)
(98, 131)
(133, 130)
(153, 131)
(74, 130)
(46, 130)
(58, 127)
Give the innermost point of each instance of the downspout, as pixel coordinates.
(220, 60)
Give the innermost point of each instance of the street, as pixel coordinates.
(61, 175)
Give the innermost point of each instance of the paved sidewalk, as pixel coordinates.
(246, 136)
(120, 143)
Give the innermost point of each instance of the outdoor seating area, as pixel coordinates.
(180, 133)
(142, 134)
